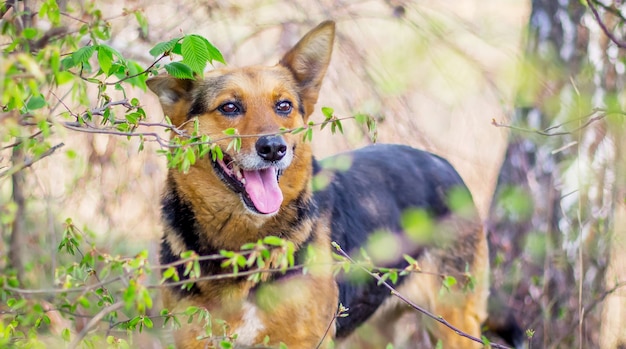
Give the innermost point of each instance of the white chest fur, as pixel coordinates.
(251, 325)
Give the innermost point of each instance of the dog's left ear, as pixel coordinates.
(308, 61)
(174, 95)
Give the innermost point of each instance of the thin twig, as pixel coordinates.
(29, 162)
(589, 308)
(226, 276)
(80, 127)
(83, 289)
(145, 71)
(15, 144)
(162, 142)
(607, 32)
(32, 292)
(94, 322)
(439, 319)
(339, 312)
(550, 134)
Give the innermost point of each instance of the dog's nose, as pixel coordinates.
(271, 148)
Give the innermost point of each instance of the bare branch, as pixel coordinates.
(439, 319)
(587, 309)
(30, 161)
(607, 32)
(340, 310)
(546, 132)
(52, 291)
(94, 322)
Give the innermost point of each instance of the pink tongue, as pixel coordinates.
(262, 187)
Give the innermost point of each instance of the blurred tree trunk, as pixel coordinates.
(613, 329)
(18, 226)
(551, 217)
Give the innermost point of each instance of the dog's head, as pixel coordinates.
(258, 102)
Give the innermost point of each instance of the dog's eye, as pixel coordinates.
(284, 107)
(229, 109)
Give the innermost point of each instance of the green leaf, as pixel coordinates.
(29, 33)
(409, 259)
(195, 53)
(105, 59)
(148, 322)
(68, 62)
(190, 156)
(63, 77)
(143, 23)
(216, 152)
(163, 47)
(140, 79)
(65, 334)
(486, 342)
(214, 53)
(230, 131)
(191, 310)
(335, 125)
(179, 70)
(449, 281)
(177, 49)
(134, 321)
(134, 117)
(298, 130)
(308, 136)
(83, 54)
(273, 240)
(50, 8)
(328, 112)
(36, 102)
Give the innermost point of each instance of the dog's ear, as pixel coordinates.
(174, 94)
(308, 61)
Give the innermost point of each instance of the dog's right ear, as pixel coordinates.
(175, 96)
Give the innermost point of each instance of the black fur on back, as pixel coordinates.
(382, 181)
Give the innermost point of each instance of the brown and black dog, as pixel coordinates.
(265, 189)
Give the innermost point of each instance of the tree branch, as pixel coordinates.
(94, 322)
(546, 132)
(439, 319)
(607, 32)
(30, 161)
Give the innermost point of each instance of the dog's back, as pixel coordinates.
(406, 201)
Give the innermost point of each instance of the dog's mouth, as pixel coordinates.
(258, 188)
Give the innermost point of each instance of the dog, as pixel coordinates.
(270, 186)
